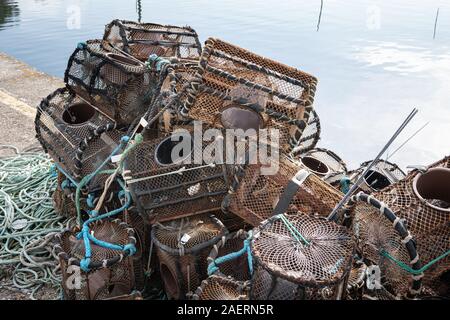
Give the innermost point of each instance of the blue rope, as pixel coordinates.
(213, 266)
(88, 238)
(345, 184)
(156, 62)
(90, 200)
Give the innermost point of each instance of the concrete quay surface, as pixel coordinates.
(22, 88)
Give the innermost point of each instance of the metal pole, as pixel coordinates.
(333, 213)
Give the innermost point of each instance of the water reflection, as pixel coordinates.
(9, 13)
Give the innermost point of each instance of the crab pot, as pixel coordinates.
(287, 268)
(310, 137)
(119, 85)
(256, 195)
(237, 89)
(231, 221)
(76, 135)
(111, 271)
(326, 164)
(237, 268)
(383, 237)
(380, 176)
(423, 200)
(143, 239)
(220, 288)
(166, 181)
(62, 202)
(144, 39)
(182, 247)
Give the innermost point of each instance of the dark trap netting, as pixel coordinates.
(220, 288)
(381, 175)
(384, 241)
(300, 257)
(143, 39)
(326, 164)
(112, 80)
(236, 267)
(77, 136)
(182, 248)
(237, 89)
(257, 194)
(423, 200)
(165, 186)
(110, 271)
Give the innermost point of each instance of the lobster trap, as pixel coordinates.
(237, 89)
(382, 174)
(144, 39)
(110, 272)
(75, 134)
(256, 195)
(118, 84)
(236, 266)
(386, 243)
(166, 181)
(299, 257)
(326, 164)
(182, 247)
(423, 200)
(310, 136)
(220, 288)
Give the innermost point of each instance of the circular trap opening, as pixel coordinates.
(78, 113)
(433, 187)
(170, 284)
(123, 59)
(237, 117)
(315, 165)
(376, 180)
(174, 149)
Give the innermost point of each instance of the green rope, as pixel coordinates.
(293, 230)
(408, 268)
(28, 222)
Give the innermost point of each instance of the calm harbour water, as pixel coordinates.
(375, 60)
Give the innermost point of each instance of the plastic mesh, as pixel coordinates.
(381, 175)
(257, 194)
(288, 269)
(119, 85)
(182, 247)
(64, 122)
(166, 188)
(220, 288)
(102, 283)
(326, 164)
(356, 281)
(423, 200)
(234, 83)
(143, 39)
(236, 268)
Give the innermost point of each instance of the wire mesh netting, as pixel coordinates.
(143, 39)
(167, 183)
(326, 164)
(289, 269)
(116, 83)
(423, 200)
(220, 288)
(111, 271)
(382, 174)
(182, 247)
(257, 194)
(236, 268)
(237, 89)
(76, 135)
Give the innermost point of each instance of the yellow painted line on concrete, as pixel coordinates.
(14, 103)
